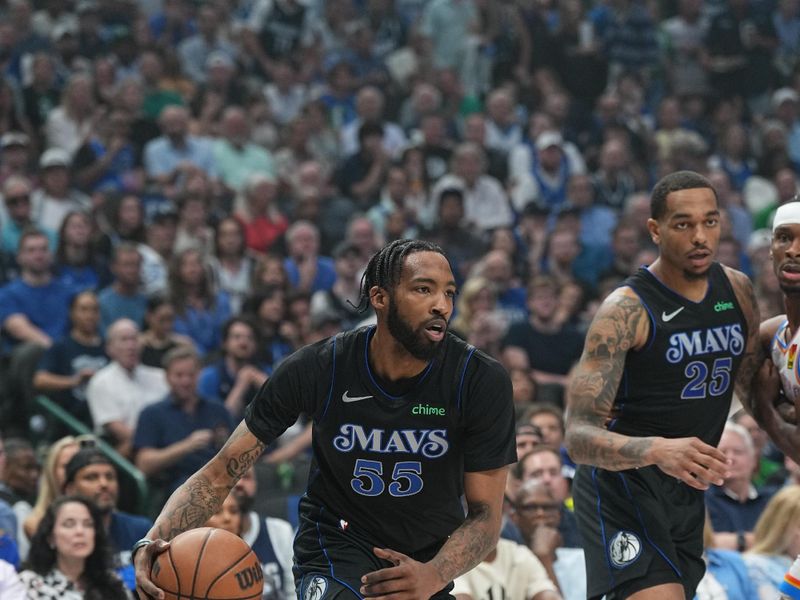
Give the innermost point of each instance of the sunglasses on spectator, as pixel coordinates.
(17, 200)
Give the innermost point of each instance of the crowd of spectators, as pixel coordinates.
(189, 192)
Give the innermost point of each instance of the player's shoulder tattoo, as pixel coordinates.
(619, 323)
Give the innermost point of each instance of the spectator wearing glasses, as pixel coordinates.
(537, 513)
(543, 463)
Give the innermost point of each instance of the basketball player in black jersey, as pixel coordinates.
(649, 398)
(407, 419)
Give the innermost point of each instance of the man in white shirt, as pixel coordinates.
(486, 204)
(369, 106)
(512, 572)
(118, 392)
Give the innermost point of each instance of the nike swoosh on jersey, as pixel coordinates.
(668, 317)
(346, 398)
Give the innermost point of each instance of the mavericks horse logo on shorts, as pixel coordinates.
(316, 588)
(624, 549)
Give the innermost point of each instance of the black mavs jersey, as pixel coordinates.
(680, 384)
(387, 468)
(642, 527)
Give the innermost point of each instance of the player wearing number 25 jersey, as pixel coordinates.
(388, 457)
(649, 399)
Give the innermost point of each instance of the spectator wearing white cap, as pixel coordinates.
(55, 198)
(535, 164)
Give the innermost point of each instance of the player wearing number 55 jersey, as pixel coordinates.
(407, 421)
(649, 399)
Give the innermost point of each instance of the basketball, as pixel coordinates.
(208, 564)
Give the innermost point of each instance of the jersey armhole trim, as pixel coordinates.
(333, 379)
(470, 352)
(779, 334)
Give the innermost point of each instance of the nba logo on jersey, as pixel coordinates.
(624, 548)
(316, 588)
(791, 357)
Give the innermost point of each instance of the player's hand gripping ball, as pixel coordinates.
(208, 564)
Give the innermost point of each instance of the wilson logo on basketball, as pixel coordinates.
(249, 576)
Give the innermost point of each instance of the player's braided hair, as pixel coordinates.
(383, 269)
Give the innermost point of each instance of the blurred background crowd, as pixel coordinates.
(190, 191)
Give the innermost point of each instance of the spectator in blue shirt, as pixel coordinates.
(170, 158)
(177, 436)
(122, 299)
(306, 270)
(200, 312)
(35, 307)
(237, 375)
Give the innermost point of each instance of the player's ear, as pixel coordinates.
(378, 297)
(652, 227)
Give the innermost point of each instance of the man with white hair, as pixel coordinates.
(306, 270)
(734, 507)
(369, 106)
(118, 392)
(237, 157)
(486, 204)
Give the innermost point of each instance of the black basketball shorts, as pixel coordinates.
(331, 557)
(640, 528)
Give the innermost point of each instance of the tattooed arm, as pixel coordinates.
(197, 499)
(754, 355)
(621, 324)
(466, 547)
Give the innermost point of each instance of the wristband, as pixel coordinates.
(138, 545)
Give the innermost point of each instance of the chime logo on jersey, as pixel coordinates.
(727, 338)
(624, 548)
(792, 355)
(316, 588)
(431, 443)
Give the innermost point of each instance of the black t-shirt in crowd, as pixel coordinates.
(390, 463)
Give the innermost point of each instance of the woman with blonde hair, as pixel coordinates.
(476, 296)
(52, 478)
(776, 542)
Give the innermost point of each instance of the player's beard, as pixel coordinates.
(413, 340)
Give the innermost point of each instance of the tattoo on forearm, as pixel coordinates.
(594, 387)
(190, 507)
(468, 545)
(238, 465)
